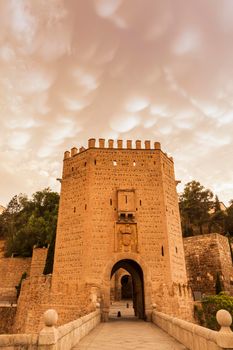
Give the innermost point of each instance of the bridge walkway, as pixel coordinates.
(126, 333)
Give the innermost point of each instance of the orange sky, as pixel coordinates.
(139, 69)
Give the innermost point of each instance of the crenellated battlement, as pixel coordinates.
(117, 144)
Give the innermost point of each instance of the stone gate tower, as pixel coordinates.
(119, 209)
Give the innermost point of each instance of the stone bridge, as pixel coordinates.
(127, 332)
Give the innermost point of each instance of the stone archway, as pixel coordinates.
(136, 272)
(141, 276)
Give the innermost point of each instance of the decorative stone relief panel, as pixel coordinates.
(126, 237)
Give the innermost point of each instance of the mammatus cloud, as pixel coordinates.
(158, 70)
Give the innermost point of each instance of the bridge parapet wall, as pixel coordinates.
(19, 341)
(64, 337)
(196, 337)
(71, 333)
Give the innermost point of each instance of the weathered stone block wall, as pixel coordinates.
(11, 270)
(205, 256)
(7, 316)
(226, 263)
(175, 247)
(36, 297)
(38, 261)
(32, 302)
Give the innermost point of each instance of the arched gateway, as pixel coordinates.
(136, 274)
(141, 278)
(118, 209)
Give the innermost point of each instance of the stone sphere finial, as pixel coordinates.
(224, 318)
(154, 306)
(50, 318)
(97, 305)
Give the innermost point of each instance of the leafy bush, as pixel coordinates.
(211, 304)
(199, 314)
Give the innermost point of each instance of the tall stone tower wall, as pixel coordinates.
(111, 195)
(118, 210)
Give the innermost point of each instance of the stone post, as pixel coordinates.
(110, 143)
(138, 144)
(48, 336)
(91, 143)
(119, 144)
(157, 145)
(66, 155)
(129, 144)
(225, 335)
(74, 151)
(101, 143)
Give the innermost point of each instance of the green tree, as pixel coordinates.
(229, 219)
(195, 205)
(217, 206)
(30, 223)
(217, 222)
(9, 218)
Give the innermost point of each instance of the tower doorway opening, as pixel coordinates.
(127, 290)
(126, 287)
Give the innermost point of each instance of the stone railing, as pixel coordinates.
(195, 337)
(18, 341)
(52, 337)
(66, 336)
